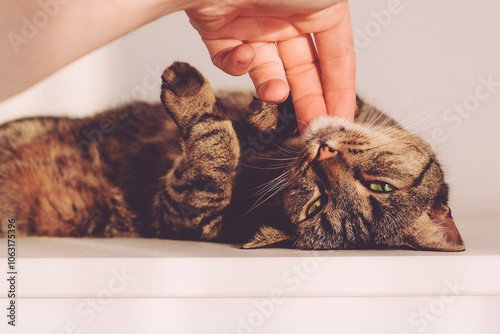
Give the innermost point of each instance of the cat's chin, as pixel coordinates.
(328, 123)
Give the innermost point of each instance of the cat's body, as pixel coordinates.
(207, 173)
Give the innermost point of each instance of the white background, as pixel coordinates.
(416, 65)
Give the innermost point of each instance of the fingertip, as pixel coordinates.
(346, 114)
(273, 91)
(307, 109)
(235, 61)
(243, 56)
(342, 104)
(240, 60)
(302, 127)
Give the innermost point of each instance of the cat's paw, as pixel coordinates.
(182, 80)
(186, 94)
(262, 116)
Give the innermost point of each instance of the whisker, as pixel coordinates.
(270, 167)
(290, 151)
(259, 202)
(277, 159)
(424, 111)
(264, 187)
(272, 184)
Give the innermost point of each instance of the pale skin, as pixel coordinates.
(271, 40)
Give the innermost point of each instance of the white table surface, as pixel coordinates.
(189, 278)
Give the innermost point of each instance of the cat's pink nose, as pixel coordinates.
(326, 152)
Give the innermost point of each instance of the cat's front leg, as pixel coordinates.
(198, 188)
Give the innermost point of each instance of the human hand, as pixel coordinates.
(240, 37)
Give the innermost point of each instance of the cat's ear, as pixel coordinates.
(269, 237)
(439, 232)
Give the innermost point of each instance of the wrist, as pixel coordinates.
(142, 11)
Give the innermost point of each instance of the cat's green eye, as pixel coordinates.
(315, 206)
(381, 187)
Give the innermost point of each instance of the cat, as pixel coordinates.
(215, 169)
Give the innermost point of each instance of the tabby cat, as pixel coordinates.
(210, 168)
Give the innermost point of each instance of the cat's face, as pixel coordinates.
(361, 186)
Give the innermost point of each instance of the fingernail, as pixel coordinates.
(283, 99)
(244, 63)
(261, 90)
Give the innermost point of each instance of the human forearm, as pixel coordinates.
(41, 36)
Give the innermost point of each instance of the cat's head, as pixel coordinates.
(357, 185)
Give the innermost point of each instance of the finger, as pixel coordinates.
(231, 56)
(303, 73)
(257, 29)
(338, 66)
(267, 73)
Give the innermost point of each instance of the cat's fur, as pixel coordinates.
(214, 170)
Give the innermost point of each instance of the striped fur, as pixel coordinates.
(197, 190)
(224, 168)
